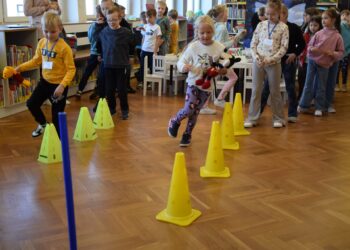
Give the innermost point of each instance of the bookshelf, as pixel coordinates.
(236, 16)
(16, 45)
(182, 40)
(323, 5)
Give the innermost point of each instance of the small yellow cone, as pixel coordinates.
(179, 210)
(238, 117)
(227, 136)
(103, 118)
(214, 164)
(84, 131)
(50, 150)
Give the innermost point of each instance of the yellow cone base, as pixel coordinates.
(50, 150)
(233, 146)
(84, 131)
(103, 118)
(204, 172)
(242, 132)
(180, 221)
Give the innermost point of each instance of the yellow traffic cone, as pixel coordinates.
(227, 135)
(103, 118)
(214, 164)
(238, 118)
(179, 210)
(84, 131)
(50, 150)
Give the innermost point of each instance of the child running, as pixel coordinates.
(195, 60)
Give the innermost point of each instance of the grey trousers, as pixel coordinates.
(273, 73)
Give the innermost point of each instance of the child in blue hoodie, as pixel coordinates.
(92, 63)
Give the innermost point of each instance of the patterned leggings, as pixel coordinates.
(195, 99)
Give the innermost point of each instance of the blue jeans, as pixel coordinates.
(331, 82)
(319, 75)
(289, 72)
(149, 62)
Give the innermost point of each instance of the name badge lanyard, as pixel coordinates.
(48, 53)
(268, 29)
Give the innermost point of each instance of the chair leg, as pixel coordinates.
(144, 88)
(159, 87)
(175, 87)
(164, 86)
(244, 94)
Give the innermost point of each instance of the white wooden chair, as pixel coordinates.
(152, 78)
(177, 76)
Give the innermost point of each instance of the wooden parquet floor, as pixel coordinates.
(289, 189)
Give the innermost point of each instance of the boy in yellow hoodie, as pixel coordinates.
(58, 70)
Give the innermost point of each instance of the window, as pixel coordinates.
(124, 3)
(193, 5)
(14, 8)
(170, 4)
(90, 6)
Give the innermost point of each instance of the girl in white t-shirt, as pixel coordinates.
(196, 60)
(151, 39)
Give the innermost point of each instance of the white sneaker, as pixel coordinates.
(277, 124)
(318, 113)
(249, 124)
(38, 131)
(331, 110)
(207, 111)
(337, 89)
(219, 103)
(292, 119)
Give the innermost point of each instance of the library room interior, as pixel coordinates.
(173, 124)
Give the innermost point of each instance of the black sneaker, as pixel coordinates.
(113, 111)
(185, 141)
(39, 130)
(131, 91)
(78, 94)
(173, 127)
(125, 115)
(93, 96)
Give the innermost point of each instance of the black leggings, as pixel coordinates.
(44, 90)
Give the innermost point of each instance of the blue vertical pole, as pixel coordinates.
(67, 180)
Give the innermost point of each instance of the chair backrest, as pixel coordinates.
(158, 65)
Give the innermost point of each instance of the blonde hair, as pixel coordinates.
(51, 19)
(284, 8)
(163, 4)
(274, 4)
(217, 11)
(203, 20)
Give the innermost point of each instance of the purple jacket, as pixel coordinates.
(326, 39)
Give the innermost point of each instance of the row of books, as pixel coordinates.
(236, 12)
(19, 93)
(18, 54)
(235, 27)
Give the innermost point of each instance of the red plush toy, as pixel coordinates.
(11, 72)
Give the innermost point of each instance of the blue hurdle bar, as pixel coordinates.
(67, 180)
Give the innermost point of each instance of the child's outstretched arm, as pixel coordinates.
(35, 62)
